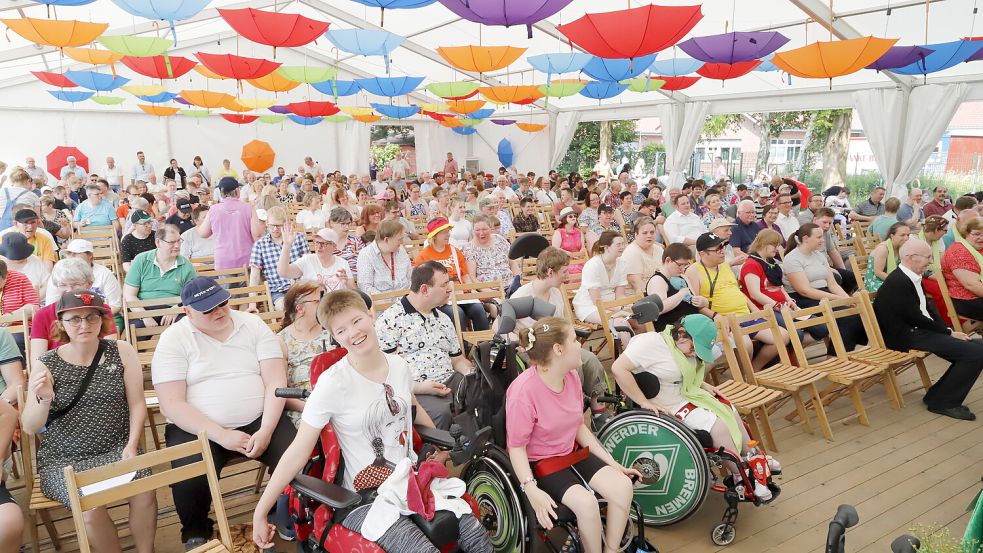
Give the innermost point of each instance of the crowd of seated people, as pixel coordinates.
(313, 237)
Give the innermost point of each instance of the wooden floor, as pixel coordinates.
(910, 467)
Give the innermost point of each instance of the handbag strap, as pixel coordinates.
(52, 417)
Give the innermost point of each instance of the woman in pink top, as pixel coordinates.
(544, 420)
(569, 238)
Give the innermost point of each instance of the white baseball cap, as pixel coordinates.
(79, 246)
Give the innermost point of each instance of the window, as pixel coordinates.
(784, 150)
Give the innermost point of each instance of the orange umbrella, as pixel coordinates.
(465, 107)
(509, 94)
(160, 111)
(531, 127)
(233, 105)
(451, 122)
(274, 82)
(825, 60)
(206, 72)
(56, 32)
(258, 156)
(480, 58)
(93, 56)
(206, 99)
(368, 118)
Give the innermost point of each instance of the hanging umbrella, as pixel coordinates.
(92, 56)
(272, 119)
(648, 84)
(468, 122)
(206, 99)
(167, 10)
(531, 127)
(96, 81)
(208, 73)
(160, 67)
(234, 105)
(182, 101)
(450, 122)
(273, 28)
(506, 155)
(481, 113)
(59, 33)
(337, 118)
(279, 109)
(480, 59)
(465, 106)
(675, 67)
(559, 63)
(604, 69)
(432, 107)
(66, 3)
(253, 103)
(506, 12)
(464, 131)
(160, 111)
(631, 33)
(237, 67)
(143, 90)
(356, 110)
(305, 74)
(396, 112)
(274, 82)
(365, 42)
(725, 71)
(529, 100)
(766, 65)
(257, 156)
(384, 5)
(602, 90)
(306, 121)
(562, 88)
(825, 60)
(436, 116)
(312, 109)
(196, 113)
(71, 95)
(900, 56)
(159, 98)
(108, 100)
(137, 46)
(367, 118)
(944, 56)
(503, 122)
(734, 47)
(389, 86)
(238, 118)
(508, 94)
(58, 159)
(54, 79)
(337, 88)
(453, 90)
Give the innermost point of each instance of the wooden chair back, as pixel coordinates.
(957, 323)
(479, 291)
(746, 325)
(802, 319)
(612, 309)
(381, 302)
(529, 269)
(245, 295)
(858, 265)
(864, 244)
(730, 355)
(841, 308)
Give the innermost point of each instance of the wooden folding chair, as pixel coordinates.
(480, 291)
(877, 353)
(864, 244)
(205, 466)
(586, 332)
(783, 376)
(858, 265)
(202, 263)
(529, 269)
(612, 309)
(750, 400)
(273, 319)
(381, 302)
(38, 505)
(247, 295)
(959, 322)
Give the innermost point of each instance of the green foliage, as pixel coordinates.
(716, 125)
(822, 123)
(383, 154)
(938, 539)
(398, 134)
(585, 149)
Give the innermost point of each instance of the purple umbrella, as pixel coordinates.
(733, 47)
(900, 56)
(181, 100)
(503, 121)
(505, 12)
(279, 109)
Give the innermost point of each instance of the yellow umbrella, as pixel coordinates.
(480, 58)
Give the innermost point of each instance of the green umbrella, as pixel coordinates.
(108, 100)
(644, 84)
(272, 119)
(452, 89)
(337, 118)
(141, 46)
(195, 112)
(562, 88)
(466, 122)
(305, 74)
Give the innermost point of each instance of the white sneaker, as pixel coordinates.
(762, 492)
(773, 465)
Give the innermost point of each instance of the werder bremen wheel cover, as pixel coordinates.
(667, 453)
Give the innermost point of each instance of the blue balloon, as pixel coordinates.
(946, 55)
(159, 98)
(337, 88)
(389, 86)
(559, 63)
(71, 95)
(675, 67)
(306, 121)
(604, 69)
(602, 90)
(365, 42)
(505, 153)
(93, 80)
(395, 4)
(396, 112)
(168, 10)
(481, 113)
(464, 131)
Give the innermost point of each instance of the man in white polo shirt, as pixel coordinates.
(216, 371)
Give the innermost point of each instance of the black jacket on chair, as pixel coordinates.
(898, 315)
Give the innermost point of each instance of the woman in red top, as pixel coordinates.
(961, 267)
(544, 421)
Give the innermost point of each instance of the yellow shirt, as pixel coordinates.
(43, 248)
(230, 172)
(726, 297)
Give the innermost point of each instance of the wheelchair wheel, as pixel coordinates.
(676, 472)
(723, 534)
(504, 514)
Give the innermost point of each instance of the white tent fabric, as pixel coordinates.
(353, 147)
(903, 128)
(564, 126)
(682, 123)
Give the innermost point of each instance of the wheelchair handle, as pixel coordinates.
(292, 393)
(905, 544)
(846, 517)
(608, 399)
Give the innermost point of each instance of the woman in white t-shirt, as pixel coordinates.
(324, 267)
(313, 215)
(462, 232)
(604, 277)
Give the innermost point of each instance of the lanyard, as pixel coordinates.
(712, 281)
(391, 265)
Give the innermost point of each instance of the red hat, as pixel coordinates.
(437, 225)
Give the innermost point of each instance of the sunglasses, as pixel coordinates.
(216, 308)
(390, 401)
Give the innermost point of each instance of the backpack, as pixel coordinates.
(481, 394)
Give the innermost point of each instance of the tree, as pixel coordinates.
(836, 147)
(768, 126)
(585, 148)
(383, 154)
(716, 125)
(398, 134)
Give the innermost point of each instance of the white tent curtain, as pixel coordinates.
(682, 123)
(423, 137)
(564, 127)
(903, 138)
(353, 147)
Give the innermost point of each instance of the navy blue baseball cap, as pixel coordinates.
(203, 294)
(228, 184)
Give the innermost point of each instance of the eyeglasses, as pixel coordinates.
(216, 308)
(76, 321)
(390, 400)
(172, 242)
(718, 249)
(683, 266)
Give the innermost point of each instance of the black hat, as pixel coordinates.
(26, 215)
(708, 241)
(203, 294)
(14, 246)
(183, 204)
(228, 184)
(86, 299)
(140, 216)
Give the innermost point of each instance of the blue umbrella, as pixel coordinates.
(365, 42)
(505, 153)
(306, 121)
(604, 69)
(337, 88)
(945, 55)
(168, 10)
(396, 112)
(602, 90)
(389, 86)
(464, 131)
(766, 66)
(71, 95)
(481, 113)
(675, 67)
(93, 80)
(159, 98)
(558, 63)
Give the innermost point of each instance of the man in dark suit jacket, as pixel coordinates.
(908, 321)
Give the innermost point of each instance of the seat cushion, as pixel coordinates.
(441, 531)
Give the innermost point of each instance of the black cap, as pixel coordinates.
(14, 246)
(228, 184)
(26, 215)
(87, 299)
(183, 204)
(707, 241)
(140, 216)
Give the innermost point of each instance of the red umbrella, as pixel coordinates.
(312, 109)
(724, 71)
(436, 116)
(58, 158)
(54, 79)
(677, 83)
(238, 118)
(159, 67)
(272, 28)
(237, 67)
(633, 32)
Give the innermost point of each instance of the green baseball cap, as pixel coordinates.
(704, 334)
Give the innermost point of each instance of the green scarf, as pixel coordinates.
(936, 265)
(976, 255)
(892, 261)
(693, 376)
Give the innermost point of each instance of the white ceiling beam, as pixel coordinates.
(847, 14)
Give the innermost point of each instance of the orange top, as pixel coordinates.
(456, 266)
